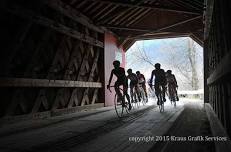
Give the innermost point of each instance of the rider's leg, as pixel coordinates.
(175, 90)
(177, 98)
(164, 89)
(132, 93)
(117, 90)
(145, 90)
(137, 92)
(157, 91)
(170, 91)
(125, 88)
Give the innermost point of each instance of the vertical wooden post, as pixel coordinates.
(206, 70)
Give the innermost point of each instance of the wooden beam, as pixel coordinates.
(140, 2)
(15, 46)
(222, 69)
(195, 4)
(151, 37)
(187, 4)
(132, 16)
(162, 36)
(27, 82)
(24, 117)
(119, 15)
(179, 23)
(72, 2)
(150, 30)
(128, 28)
(196, 39)
(101, 11)
(90, 7)
(139, 17)
(125, 42)
(169, 26)
(95, 9)
(208, 17)
(217, 128)
(80, 4)
(130, 5)
(72, 14)
(198, 2)
(106, 13)
(90, 78)
(127, 45)
(47, 114)
(124, 18)
(58, 112)
(55, 26)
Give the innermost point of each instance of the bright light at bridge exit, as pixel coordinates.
(181, 55)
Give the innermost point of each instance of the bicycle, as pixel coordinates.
(160, 98)
(151, 93)
(121, 105)
(172, 94)
(134, 95)
(142, 94)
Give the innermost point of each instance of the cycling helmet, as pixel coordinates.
(137, 72)
(116, 63)
(169, 71)
(129, 70)
(157, 65)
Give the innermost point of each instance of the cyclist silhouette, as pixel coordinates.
(160, 81)
(142, 81)
(122, 80)
(133, 83)
(171, 82)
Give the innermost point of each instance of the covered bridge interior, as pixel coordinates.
(56, 55)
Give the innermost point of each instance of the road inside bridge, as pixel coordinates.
(100, 130)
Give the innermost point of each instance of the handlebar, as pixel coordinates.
(109, 88)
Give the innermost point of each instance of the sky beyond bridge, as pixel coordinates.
(158, 52)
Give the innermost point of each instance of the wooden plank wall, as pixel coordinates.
(218, 50)
(51, 59)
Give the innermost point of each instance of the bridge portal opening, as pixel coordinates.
(182, 55)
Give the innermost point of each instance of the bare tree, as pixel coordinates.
(180, 56)
(192, 60)
(142, 55)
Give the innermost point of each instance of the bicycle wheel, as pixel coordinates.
(161, 103)
(170, 94)
(159, 99)
(119, 107)
(174, 99)
(126, 105)
(133, 100)
(134, 104)
(143, 98)
(136, 101)
(173, 96)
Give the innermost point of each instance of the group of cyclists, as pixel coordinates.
(163, 81)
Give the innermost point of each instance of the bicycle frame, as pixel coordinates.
(134, 95)
(142, 94)
(160, 98)
(172, 94)
(120, 108)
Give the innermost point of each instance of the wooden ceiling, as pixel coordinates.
(133, 20)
